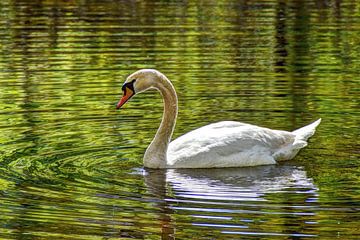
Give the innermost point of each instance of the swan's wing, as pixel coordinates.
(227, 144)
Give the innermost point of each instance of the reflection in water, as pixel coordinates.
(281, 41)
(234, 201)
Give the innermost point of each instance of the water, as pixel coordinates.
(71, 165)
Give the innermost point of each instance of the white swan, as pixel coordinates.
(222, 144)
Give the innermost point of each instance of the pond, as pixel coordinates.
(71, 164)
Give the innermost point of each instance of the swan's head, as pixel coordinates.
(138, 82)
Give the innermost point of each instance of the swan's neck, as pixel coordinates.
(155, 155)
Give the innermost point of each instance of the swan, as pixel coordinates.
(217, 145)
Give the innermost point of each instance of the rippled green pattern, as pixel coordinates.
(71, 165)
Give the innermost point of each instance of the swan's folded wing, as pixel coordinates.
(227, 144)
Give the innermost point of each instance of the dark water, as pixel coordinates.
(71, 165)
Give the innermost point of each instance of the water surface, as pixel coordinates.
(71, 165)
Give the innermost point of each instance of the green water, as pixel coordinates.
(71, 165)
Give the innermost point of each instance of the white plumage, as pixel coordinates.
(236, 144)
(222, 144)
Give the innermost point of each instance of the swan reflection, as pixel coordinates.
(242, 199)
(229, 183)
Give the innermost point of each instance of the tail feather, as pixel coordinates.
(305, 132)
(301, 135)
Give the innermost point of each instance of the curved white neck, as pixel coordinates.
(155, 155)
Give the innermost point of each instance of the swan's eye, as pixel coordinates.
(129, 85)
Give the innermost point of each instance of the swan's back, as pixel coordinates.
(232, 144)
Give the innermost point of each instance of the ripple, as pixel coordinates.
(69, 163)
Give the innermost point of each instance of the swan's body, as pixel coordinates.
(234, 144)
(222, 144)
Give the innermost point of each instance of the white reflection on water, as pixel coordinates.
(237, 199)
(249, 184)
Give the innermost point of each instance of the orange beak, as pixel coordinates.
(128, 93)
